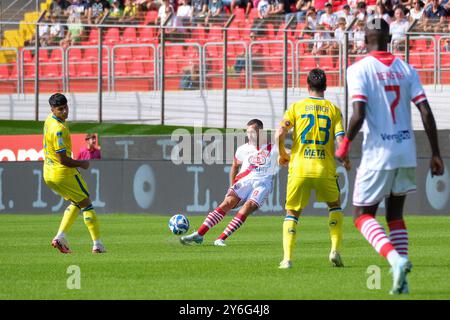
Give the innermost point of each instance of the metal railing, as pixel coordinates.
(265, 57)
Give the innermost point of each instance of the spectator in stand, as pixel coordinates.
(416, 12)
(371, 5)
(339, 35)
(361, 11)
(58, 8)
(245, 4)
(446, 5)
(319, 5)
(405, 3)
(277, 11)
(97, 10)
(174, 30)
(76, 10)
(353, 4)
(184, 12)
(227, 3)
(164, 10)
(259, 23)
(199, 11)
(74, 32)
(346, 14)
(446, 47)
(216, 12)
(434, 17)
(91, 151)
(381, 12)
(116, 9)
(321, 46)
(55, 32)
(359, 44)
(302, 7)
(311, 24)
(398, 29)
(129, 14)
(328, 19)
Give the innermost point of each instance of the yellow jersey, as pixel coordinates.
(316, 123)
(56, 140)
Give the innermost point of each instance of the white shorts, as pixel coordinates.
(372, 186)
(256, 191)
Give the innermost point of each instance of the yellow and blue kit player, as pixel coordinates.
(62, 176)
(316, 124)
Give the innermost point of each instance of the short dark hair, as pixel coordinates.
(57, 100)
(90, 136)
(258, 123)
(361, 5)
(317, 80)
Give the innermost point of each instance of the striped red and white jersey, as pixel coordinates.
(387, 85)
(256, 163)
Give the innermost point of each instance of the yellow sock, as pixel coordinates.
(91, 222)
(289, 236)
(335, 221)
(69, 218)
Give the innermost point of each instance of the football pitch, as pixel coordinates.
(145, 261)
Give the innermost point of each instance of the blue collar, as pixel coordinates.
(57, 119)
(316, 98)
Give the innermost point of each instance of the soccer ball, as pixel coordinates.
(179, 224)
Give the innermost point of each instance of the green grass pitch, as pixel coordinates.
(145, 261)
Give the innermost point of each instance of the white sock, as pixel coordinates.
(61, 235)
(393, 257)
(98, 242)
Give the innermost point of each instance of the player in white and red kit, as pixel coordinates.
(250, 185)
(382, 88)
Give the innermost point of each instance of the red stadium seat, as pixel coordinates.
(93, 36)
(4, 72)
(141, 53)
(172, 67)
(415, 61)
(112, 36)
(28, 71)
(104, 69)
(419, 45)
(136, 68)
(73, 68)
(174, 51)
(56, 56)
(327, 63)
(445, 60)
(27, 56)
(13, 73)
(192, 52)
(91, 54)
(123, 53)
(215, 35)
(85, 70)
(74, 54)
(129, 35)
(307, 63)
(149, 67)
(120, 68)
(148, 35)
(43, 55)
(51, 71)
(150, 17)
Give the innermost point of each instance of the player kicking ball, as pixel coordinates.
(62, 176)
(382, 88)
(249, 188)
